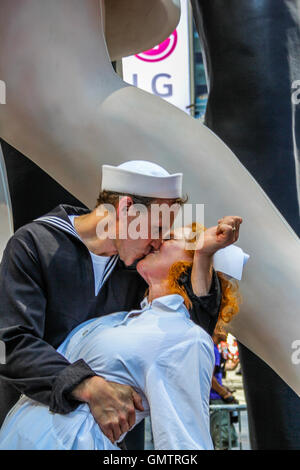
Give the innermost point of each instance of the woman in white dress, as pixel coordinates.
(158, 350)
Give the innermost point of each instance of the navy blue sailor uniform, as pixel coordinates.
(47, 289)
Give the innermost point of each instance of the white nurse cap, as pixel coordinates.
(141, 178)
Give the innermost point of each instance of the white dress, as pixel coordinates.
(160, 352)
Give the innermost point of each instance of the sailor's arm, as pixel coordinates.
(33, 366)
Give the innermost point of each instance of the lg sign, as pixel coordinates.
(159, 86)
(160, 52)
(164, 69)
(160, 82)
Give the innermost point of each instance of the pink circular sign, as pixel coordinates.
(160, 52)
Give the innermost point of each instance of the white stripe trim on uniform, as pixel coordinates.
(59, 223)
(60, 226)
(110, 269)
(64, 222)
(109, 263)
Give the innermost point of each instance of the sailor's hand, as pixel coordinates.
(112, 405)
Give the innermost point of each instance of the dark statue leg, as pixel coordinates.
(273, 407)
(32, 191)
(251, 51)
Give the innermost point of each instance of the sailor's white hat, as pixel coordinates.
(142, 178)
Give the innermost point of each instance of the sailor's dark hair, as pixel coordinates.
(109, 197)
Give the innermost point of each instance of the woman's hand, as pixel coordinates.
(220, 236)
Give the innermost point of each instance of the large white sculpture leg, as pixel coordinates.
(69, 112)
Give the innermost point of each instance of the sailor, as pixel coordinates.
(56, 273)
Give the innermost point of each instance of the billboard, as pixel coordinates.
(164, 70)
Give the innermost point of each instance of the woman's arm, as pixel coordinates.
(202, 271)
(201, 282)
(215, 238)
